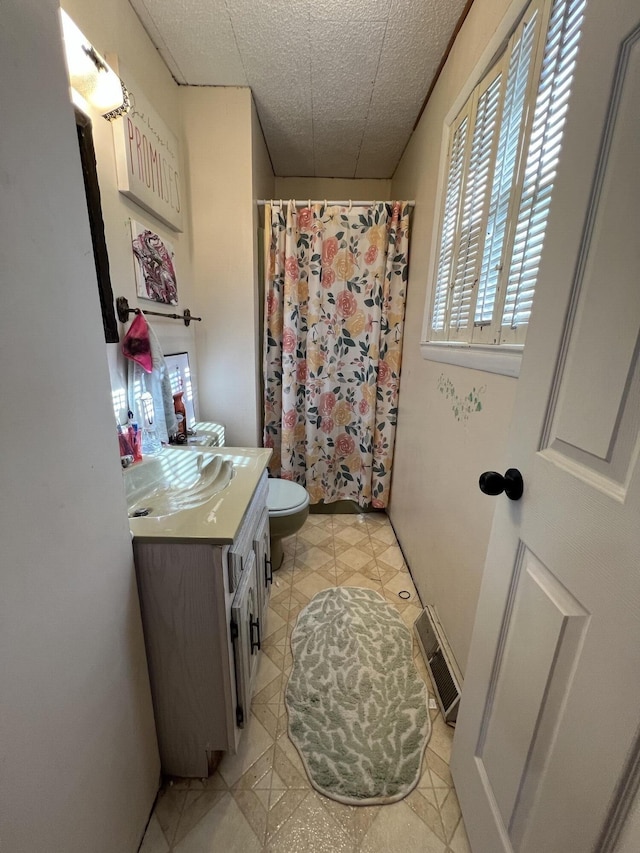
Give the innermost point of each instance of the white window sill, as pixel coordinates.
(504, 359)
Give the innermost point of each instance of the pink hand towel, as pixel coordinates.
(136, 344)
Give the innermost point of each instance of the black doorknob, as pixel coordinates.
(492, 483)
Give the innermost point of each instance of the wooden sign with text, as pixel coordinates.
(148, 161)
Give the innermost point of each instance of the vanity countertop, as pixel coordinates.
(218, 519)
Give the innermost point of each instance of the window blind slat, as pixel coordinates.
(452, 201)
(474, 206)
(506, 158)
(542, 157)
(501, 171)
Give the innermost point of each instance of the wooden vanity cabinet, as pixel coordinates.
(204, 608)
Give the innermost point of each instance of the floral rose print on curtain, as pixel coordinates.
(335, 298)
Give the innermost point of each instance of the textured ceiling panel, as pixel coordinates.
(338, 84)
(410, 56)
(343, 67)
(199, 37)
(336, 147)
(350, 10)
(276, 58)
(149, 23)
(382, 149)
(291, 146)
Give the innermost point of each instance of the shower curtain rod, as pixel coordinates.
(343, 203)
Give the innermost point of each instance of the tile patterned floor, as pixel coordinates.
(260, 801)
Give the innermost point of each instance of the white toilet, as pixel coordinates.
(288, 505)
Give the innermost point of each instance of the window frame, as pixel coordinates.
(481, 351)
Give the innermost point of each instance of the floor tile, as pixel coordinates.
(288, 765)
(426, 808)
(450, 814)
(401, 582)
(154, 839)
(267, 671)
(316, 535)
(441, 738)
(261, 799)
(197, 806)
(223, 828)
(254, 810)
(274, 622)
(310, 828)
(168, 809)
(354, 820)
(313, 557)
(283, 808)
(347, 536)
(358, 579)
(355, 557)
(392, 556)
(397, 827)
(460, 843)
(383, 534)
(254, 743)
(312, 584)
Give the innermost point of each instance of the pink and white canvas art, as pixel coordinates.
(154, 265)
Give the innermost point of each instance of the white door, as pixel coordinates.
(546, 756)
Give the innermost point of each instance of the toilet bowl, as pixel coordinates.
(288, 505)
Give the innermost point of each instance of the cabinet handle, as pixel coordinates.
(255, 623)
(268, 570)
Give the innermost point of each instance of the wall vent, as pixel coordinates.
(436, 651)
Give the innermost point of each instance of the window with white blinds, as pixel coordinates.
(502, 159)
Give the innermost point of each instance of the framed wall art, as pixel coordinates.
(154, 265)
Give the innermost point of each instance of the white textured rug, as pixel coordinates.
(357, 707)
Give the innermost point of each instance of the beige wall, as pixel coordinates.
(332, 188)
(442, 519)
(114, 29)
(263, 187)
(222, 148)
(78, 759)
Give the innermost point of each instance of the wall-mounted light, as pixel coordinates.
(90, 76)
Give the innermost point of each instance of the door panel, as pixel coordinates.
(597, 410)
(547, 736)
(244, 612)
(542, 631)
(262, 548)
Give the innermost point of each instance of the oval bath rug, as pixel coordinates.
(357, 706)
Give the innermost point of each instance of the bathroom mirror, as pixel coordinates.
(180, 376)
(96, 223)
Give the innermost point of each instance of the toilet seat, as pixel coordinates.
(285, 497)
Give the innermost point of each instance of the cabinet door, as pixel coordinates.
(245, 618)
(244, 540)
(264, 572)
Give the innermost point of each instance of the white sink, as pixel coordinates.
(172, 482)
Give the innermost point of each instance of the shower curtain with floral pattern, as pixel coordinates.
(335, 285)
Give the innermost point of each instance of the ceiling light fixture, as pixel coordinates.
(91, 79)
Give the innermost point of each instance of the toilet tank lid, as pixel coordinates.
(286, 495)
